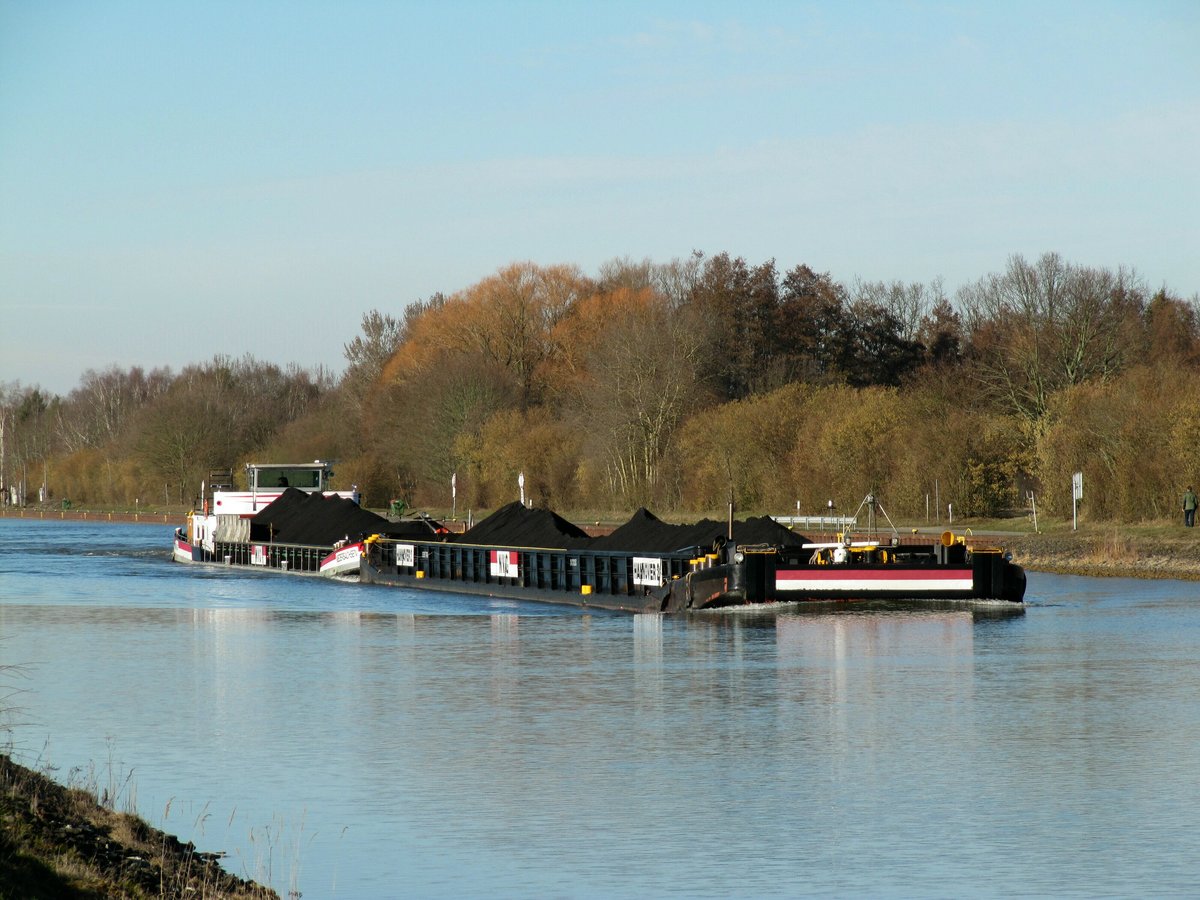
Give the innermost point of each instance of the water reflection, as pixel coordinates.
(648, 639)
(446, 746)
(840, 638)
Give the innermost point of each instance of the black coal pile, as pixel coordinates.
(316, 520)
(645, 531)
(765, 530)
(516, 526)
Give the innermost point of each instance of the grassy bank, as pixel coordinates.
(58, 842)
(1133, 551)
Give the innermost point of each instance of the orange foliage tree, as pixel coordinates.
(464, 359)
(629, 371)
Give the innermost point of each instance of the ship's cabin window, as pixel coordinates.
(268, 477)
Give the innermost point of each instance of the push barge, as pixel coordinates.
(289, 519)
(645, 565)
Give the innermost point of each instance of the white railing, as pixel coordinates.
(825, 523)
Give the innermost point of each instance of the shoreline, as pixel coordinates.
(1109, 553)
(57, 841)
(1098, 551)
(34, 514)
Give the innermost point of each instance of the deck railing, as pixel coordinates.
(291, 557)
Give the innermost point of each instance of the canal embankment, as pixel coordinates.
(58, 841)
(1140, 551)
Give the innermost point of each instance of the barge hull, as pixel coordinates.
(368, 574)
(675, 582)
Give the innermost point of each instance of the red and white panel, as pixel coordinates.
(503, 563)
(869, 581)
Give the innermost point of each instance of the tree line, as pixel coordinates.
(680, 386)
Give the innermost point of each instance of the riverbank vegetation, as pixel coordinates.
(57, 841)
(678, 386)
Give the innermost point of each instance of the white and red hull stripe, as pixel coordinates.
(343, 561)
(875, 581)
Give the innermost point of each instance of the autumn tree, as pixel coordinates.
(914, 324)
(97, 412)
(737, 451)
(845, 449)
(808, 327)
(1042, 327)
(180, 441)
(609, 386)
(631, 275)
(906, 304)
(512, 317)
(27, 417)
(93, 426)
(513, 442)
(461, 360)
(1135, 438)
(382, 335)
(266, 397)
(630, 371)
(676, 281)
(326, 431)
(1172, 329)
(444, 408)
(940, 335)
(873, 348)
(735, 304)
(215, 414)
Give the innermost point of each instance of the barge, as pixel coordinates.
(289, 519)
(650, 566)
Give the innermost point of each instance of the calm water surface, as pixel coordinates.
(348, 741)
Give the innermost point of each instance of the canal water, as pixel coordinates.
(339, 740)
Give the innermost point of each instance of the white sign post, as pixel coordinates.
(454, 495)
(521, 485)
(1076, 496)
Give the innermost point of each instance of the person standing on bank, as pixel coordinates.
(1189, 507)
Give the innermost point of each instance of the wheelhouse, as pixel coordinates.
(309, 477)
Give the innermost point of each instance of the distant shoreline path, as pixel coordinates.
(1097, 551)
(84, 515)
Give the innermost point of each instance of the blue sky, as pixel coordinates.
(179, 180)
